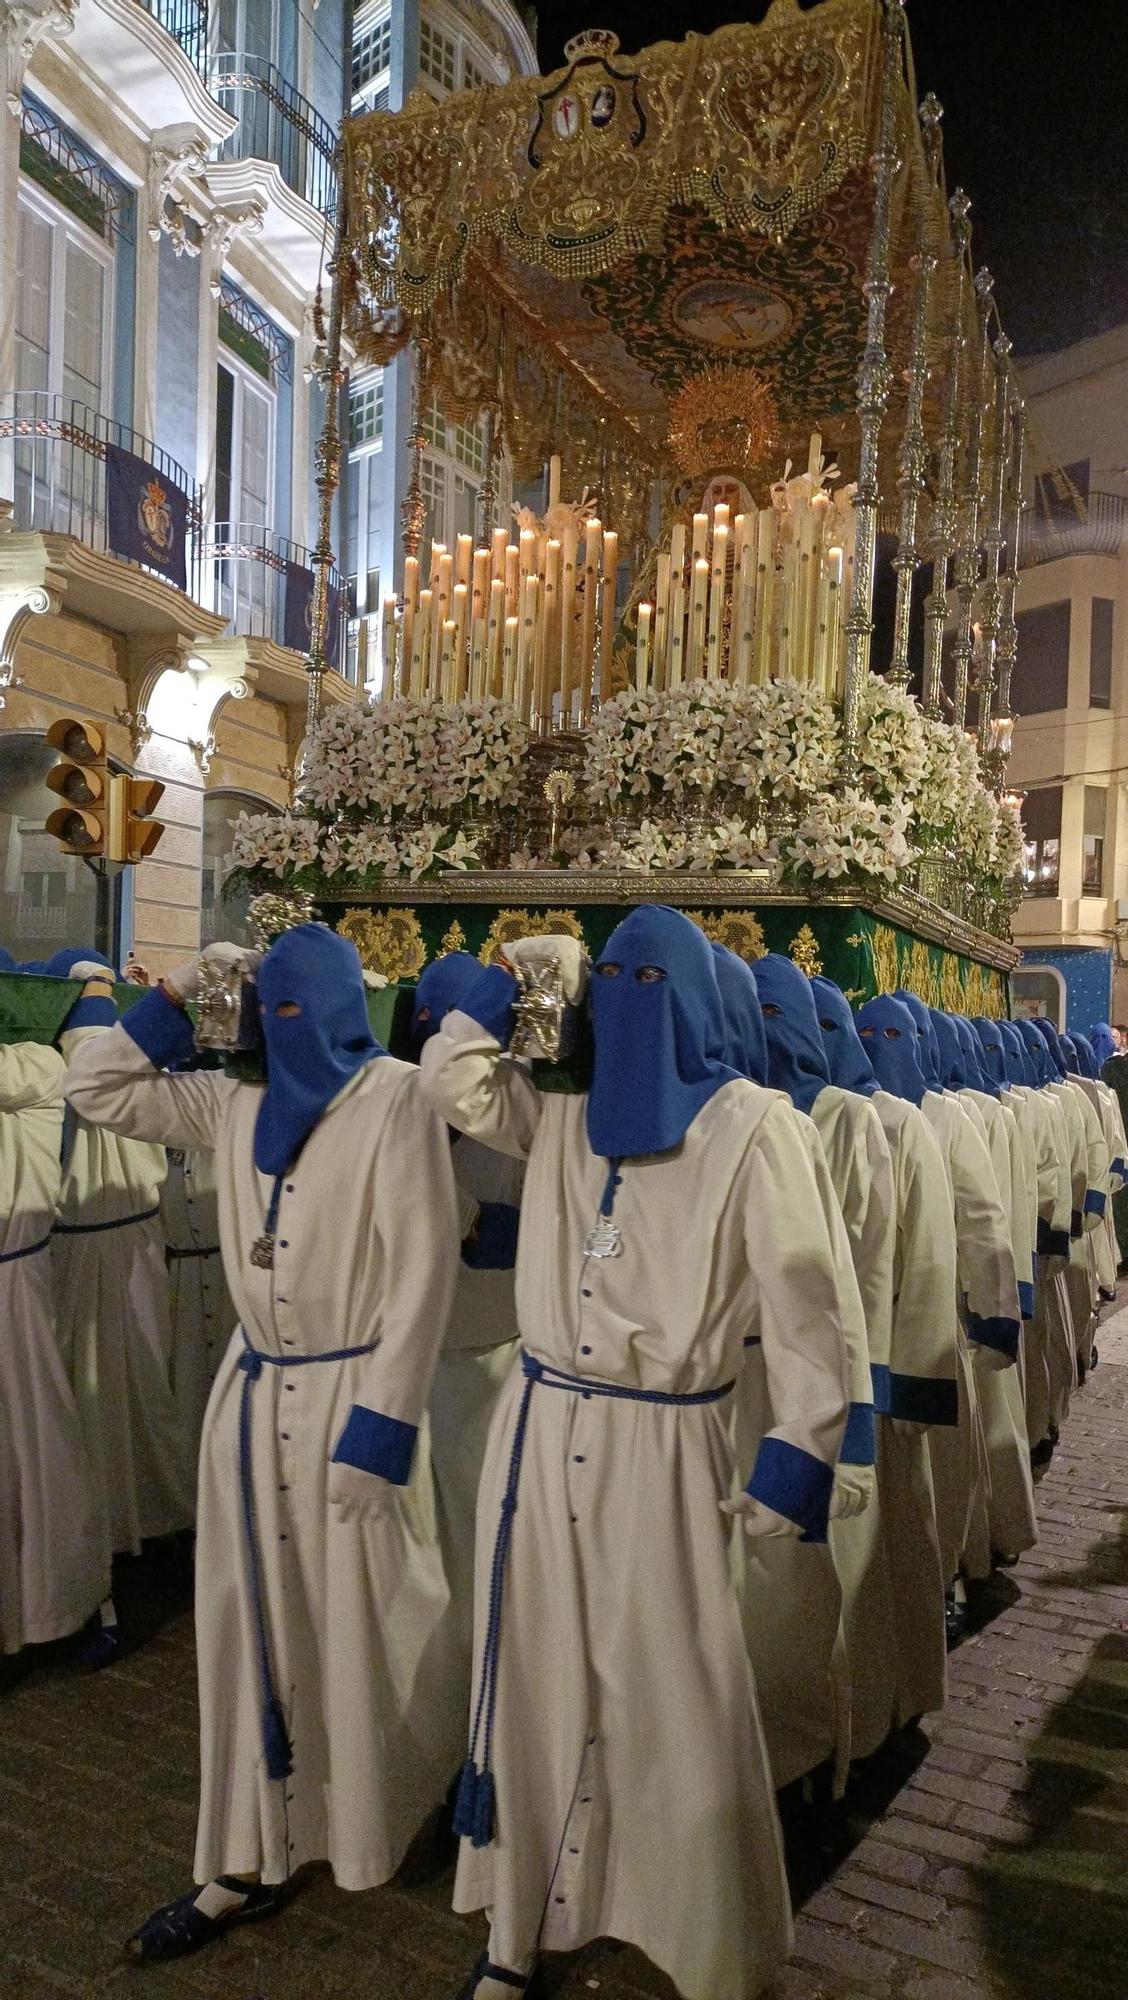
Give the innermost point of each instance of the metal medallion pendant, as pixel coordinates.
(262, 1253)
(606, 1239)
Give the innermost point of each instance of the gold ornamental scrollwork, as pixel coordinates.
(804, 950)
(509, 925)
(389, 941)
(886, 976)
(453, 939)
(951, 985)
(738, 930)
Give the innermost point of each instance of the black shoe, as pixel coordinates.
(955, 1622)
(178, 1928)
(529, 1986)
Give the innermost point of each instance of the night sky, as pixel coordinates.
(1035, 96)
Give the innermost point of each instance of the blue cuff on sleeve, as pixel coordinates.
(374, 1443)
(493, 1247)
(1119, 1167)
(859, 1446)
(1095, 1201)
(794, 1483)
(1001, 1334)
(99, 1011)
(1026, 1298)
(489, 1001)
(922, 1399)
(161, 1030)
(1051, 1242)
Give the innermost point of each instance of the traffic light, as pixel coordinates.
(82, 779)
(131, 834)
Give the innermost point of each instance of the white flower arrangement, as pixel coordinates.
(406, 759)
(274, 843)
(847, 832)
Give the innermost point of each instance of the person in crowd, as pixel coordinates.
(481, 1340)
(1089, 1172)
(616, 1751)
(329, 1709)
(905, 1057)
(112, 1306)
(921, 1391)
(1061, 1144)
(1012, 1524)
(861, 1176)
(54, 1556)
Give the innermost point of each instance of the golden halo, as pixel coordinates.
(723, 417)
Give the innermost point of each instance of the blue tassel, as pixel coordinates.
(482, 1831)
(276, 1742)
(473, 1817)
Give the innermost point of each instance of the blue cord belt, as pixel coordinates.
(474, 1812)
(252, 1361)
(11, 1256)
(96, 1228)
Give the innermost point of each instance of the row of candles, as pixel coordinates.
(748, 599)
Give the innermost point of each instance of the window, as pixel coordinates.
(434, 425)
(1038, 993)
(437, 54)
(244, 485)
(1100, 654)
(1041, 819)
(220, 919)
(1042, 680)
(366, 412)
(372, 51)
(1092, 852)
(468, 444)
(246, 26)
(63, 344)
(434, 476)
(473, 78)
(47, 898)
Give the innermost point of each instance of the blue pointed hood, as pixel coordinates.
(1070, 1055)
(892, 1040)
(1086, 1057)
(846, 1058)
(992, 1053)
(1052, 1040)
(1038, 1051)
(441, 987)
(1020, 1066)
(977, 1075)
(312, 1055)
(928, 1054)
(7, 962)
(1100, 1036)
(953, 1060)
(796, 1056)
(747, 1044)
(660, 1041)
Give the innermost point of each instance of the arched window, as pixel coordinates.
(222, 918)
(48, 899)
(1039, 989)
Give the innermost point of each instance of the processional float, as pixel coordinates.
(744, 641)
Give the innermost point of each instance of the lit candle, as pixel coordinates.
(447, 641)
(835, 571)
(548, 648)
(389, 647)
(478, 659)
(509, 649)
(699, 597)
(465, 547)
(512, 579)
(593, 551)
(554, 480)
(527, 552)
(661, 618)
(806, 584)
(441, 605)
(410, 581)
(609, 608)
(480, 596)
(494, 628)
(568, 551)
(421, 646)
(721, 515)
(460, 620)
(744, 627)
(438, 551)
(814, 457)
(527, 623)
(642, 648)
(765, 593)
(499, 545)
(718, 587)
(700, 536)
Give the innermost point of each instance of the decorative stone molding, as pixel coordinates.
(22, 28)
(176, 187)
(139, 727)
(18, 603)
(237, 218)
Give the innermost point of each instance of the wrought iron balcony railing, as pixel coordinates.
(264, 587)
(1099, 528)
(275, 123)
(187, 23)
(55, 455)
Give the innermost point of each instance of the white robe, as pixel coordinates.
(54, 1558)
(114, 1328)
(988, 1291)
(923, 1367)
(199, 1302)
(355, 1609)
(633, 1793)
(1049, 1338)
(478, 1353)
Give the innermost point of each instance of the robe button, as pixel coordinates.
(578, 1458)
(289, 1187)
(284, 1243)
(587, 1293)
(585, 1350)
(558, 1899)
(285, 1437)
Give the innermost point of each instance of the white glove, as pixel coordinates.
(536, 952)
(989, 1360)
(88, 968)
(854, 1488)
(185, 981)
(759, 1521)
(358, 1496)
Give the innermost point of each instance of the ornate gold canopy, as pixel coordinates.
(574, 248)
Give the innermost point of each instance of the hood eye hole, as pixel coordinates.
(608, 969)
(829, 1027)
(649, 975)
(287, 1010)
(892, 1034)
(770, 1009)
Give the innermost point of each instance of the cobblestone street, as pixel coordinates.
(991, 1861)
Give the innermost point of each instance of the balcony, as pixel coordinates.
(152, 57)
(264, 587)
(276, 123)
(187, 22)
(1099, 531)
(53, 461)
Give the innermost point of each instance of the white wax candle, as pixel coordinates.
(642, 648)
(695, 650)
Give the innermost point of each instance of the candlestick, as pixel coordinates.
(389, 648)
(447, 644)
(478, 658)
(814, 457)
(609, 610)
(421, 647)
(721, 515)
(512, 579)
(661, 618)
(499, 544)
(527, 552)
(765, 593)
(718, 584)
(440, 610)
(699, 597)
(464, 546)
(744, 617)
(554, 480)
(438, 551)
(548, 645)
(568, 550)
(494, 626)
(700, 536)
(460, 617)
(835, 575)
(527, 624)
(481, 583)
(642, 648)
